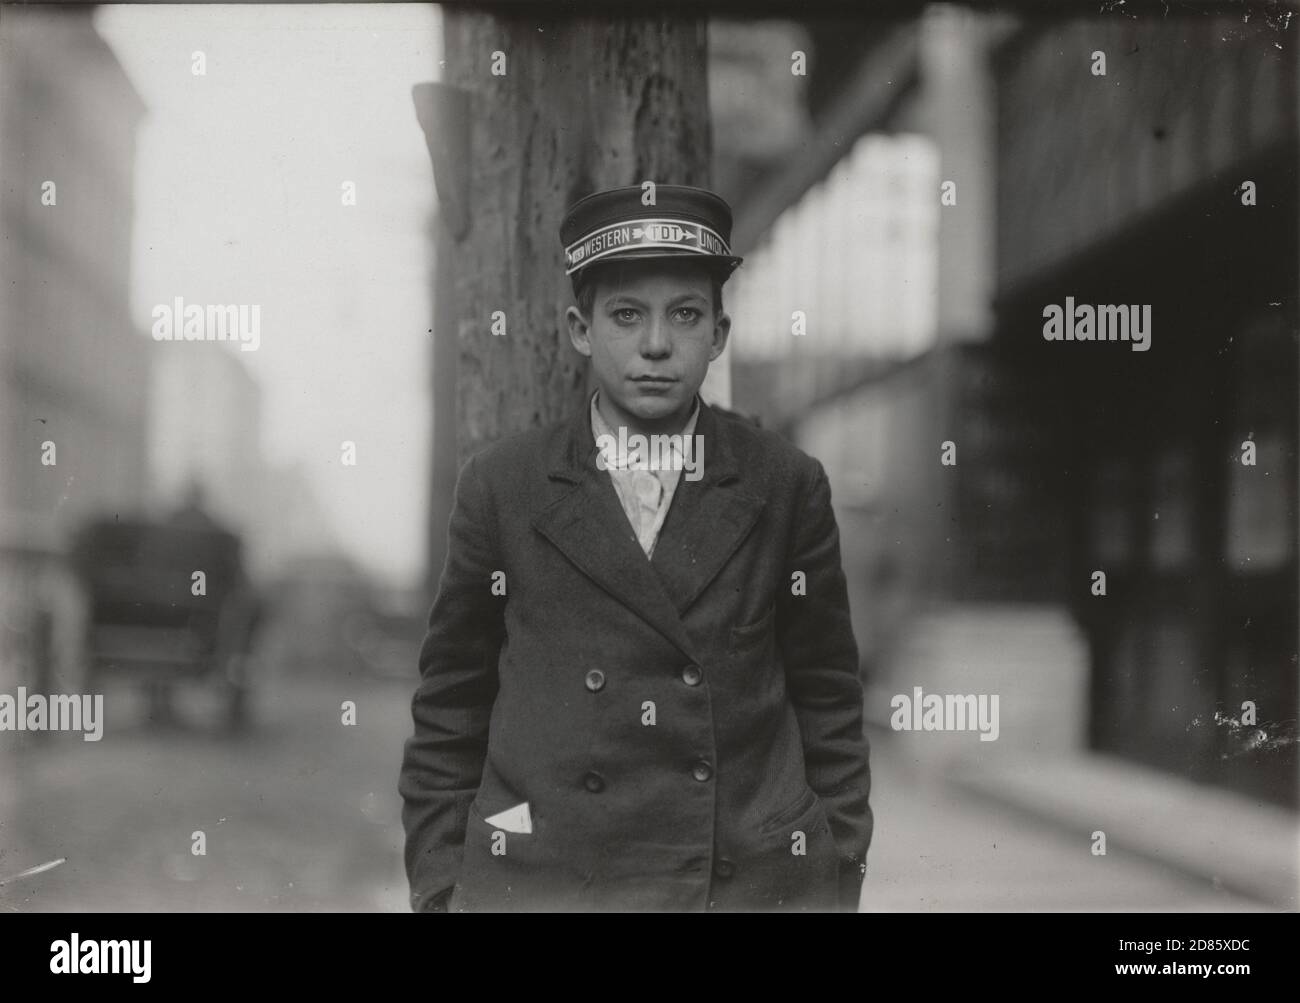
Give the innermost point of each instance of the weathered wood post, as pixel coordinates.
(535, 111)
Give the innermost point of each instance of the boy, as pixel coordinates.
(639, 686)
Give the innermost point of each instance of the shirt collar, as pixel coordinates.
(619, 459)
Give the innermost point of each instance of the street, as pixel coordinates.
(302, 814)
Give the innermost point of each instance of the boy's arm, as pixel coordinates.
(443, 761)
(821, 665)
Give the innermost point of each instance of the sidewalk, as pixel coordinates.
(1008, 823)
(994, 842)
(1225, 839)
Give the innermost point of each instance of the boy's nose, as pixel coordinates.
(655, 342)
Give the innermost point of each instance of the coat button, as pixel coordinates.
(594, 782)
(691, 675)
(702, 771)
(723, 867)
(595, 680)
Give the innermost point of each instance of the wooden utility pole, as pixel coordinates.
(557, 107)
(534, 112)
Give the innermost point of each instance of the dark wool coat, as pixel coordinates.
(687, 731)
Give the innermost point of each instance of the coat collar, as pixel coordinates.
(707, 521)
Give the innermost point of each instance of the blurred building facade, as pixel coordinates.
(963, 172)
(98, 418)
(75, 370)
(205, 427)
(72, 369)
(1174, 185)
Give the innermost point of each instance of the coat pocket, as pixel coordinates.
(497, 867)
(793, 812)
(794, 865)
(752, 635)
(494, 849)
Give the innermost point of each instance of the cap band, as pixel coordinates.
(675, 234)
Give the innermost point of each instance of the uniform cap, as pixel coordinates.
(616, 225)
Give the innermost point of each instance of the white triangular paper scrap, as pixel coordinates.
(516, 819)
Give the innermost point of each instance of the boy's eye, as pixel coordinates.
(682, 315)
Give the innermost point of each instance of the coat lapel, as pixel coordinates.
(708, 519)
(706, 523)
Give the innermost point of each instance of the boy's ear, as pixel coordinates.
(721, 330)
(579, 330)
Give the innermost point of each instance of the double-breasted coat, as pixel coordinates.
(685, 731)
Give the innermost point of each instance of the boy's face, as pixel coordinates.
(651, 336)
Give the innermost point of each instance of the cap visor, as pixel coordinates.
(726, 261)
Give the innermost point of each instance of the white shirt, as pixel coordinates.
(644, 493)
